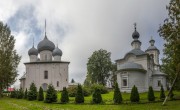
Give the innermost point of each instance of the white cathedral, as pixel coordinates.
(47, 69)
(140, 68)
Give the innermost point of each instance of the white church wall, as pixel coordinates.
(56, 72)
(46, 55)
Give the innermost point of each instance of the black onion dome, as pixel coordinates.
(135, 35)
(33, 51)
(57, 52)
(45, 44)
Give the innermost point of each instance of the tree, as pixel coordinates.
(64, 96)
(87, 81)
(25, 94)
(20, 93)
(99, 66)
(151, 96)
(51, 94)
(72, 81)
(96, 97)
(79, 95)
(32, 93)
(117, 95)
(40, 94)
(134, 94)
(170, 32)
(162, 94)
(9, 59)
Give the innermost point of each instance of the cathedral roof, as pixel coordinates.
(33, 51)
(131, 66)
(57, 52)
(45, 44)
(136, 52)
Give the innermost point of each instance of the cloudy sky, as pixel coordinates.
(80, 27)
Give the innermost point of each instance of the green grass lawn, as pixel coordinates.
(21, 104)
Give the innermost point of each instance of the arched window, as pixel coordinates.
(57, 83)
(45, 74)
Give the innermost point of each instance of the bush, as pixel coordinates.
(162, 94)
(51, 94)
(40, 94)
(102, 89)
(32, 93)
(64, 96)
(117, 94)
(13, 94)
(96, 97)
(72, 91)
(151, 96)
(20, 93)
(25, 94)
(79, 95)
(86, 91)
(134, 94)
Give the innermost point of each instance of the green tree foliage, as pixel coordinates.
(20, 93)
(79, 95)
(99, 66)
(9, 59)
(117, 94)
(51, 94)
(151, 96)
(134, 94)
(64, 96)
(96, 97)
(25, 94)
(87, 81)
(170, 32)
(32, 93)
(40, 94)
(162, 94)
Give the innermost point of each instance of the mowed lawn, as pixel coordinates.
(22, 104)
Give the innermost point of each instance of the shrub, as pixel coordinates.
(51, 94)
(134, 94)
(86, 91)
(64, 96)
(13, 94)
(72, 91)
(25, 94)
(151, 96)
(102, 89)
(96, 97)
(79, 95)
(40, 94)
(20, 93)
(162, 94)
(32, 93)
(117, 94)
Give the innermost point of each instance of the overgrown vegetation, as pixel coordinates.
(162, 94)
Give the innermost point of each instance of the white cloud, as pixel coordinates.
(83, 26)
